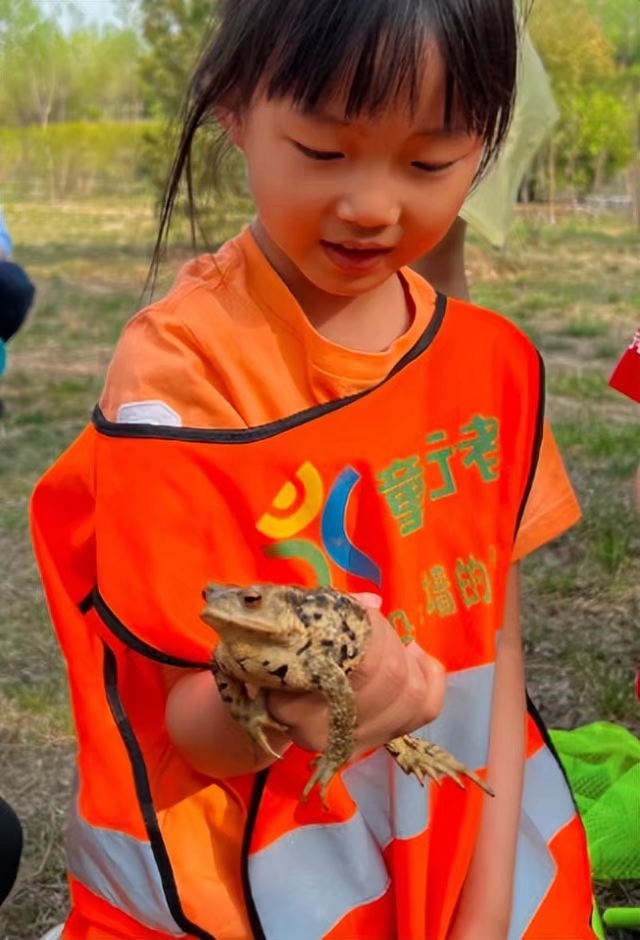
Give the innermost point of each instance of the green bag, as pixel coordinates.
(602, 762)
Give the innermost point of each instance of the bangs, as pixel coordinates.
(367, 54)
(373, 54)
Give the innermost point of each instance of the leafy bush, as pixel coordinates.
(74, 161)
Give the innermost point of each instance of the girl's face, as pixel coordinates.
(348, 203)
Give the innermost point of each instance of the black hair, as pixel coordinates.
(370, 52)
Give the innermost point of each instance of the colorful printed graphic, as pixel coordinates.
(334, 535)
(303, 550)
(407, 485)
(302, 511)
(313, 496)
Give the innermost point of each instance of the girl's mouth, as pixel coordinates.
(354, 259)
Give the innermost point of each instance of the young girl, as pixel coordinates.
(302, 408)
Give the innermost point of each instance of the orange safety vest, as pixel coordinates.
(414, 489)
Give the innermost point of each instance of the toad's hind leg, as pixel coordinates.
(423, 759)
(329, 679)
(251, 714)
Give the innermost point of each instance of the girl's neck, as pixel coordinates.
(368, 322)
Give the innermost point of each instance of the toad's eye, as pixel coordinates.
(252, 599)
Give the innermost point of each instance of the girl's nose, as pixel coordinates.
(369, 207)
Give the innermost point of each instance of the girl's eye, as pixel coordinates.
(318, 154)
(433, 167)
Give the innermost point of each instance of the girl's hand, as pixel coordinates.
(398, 690)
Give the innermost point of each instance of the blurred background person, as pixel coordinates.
(10, 849)
(16, 296)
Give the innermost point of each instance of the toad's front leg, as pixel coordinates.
(250, 713)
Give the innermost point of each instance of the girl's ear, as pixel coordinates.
(232, 125)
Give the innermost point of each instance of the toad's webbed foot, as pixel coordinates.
(423, 759)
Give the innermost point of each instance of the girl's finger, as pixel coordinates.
(295, 708)
(435, 681)
(369, 601)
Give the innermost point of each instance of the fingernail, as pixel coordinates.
(370, 600)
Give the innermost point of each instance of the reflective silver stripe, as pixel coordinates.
(368, 783)
(547, 797)
(411, 805)
(395, 806)
(119, 869)
(308, 880)
(463, 725)
(547, 807)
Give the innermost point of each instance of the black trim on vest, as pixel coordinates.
(259, 785)
(265, 431)
(86, 604)
(143, 792)
(537, 442)
(542, 728)
(546, 737)
(95, 601)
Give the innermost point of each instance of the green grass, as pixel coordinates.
(584, 386)
(612, 538)
(615, 446)
(573, 287)
(585, 329)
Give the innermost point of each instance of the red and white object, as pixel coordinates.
(626, 375)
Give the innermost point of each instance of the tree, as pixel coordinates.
(107, 79)
(50, 74)
(620, 21)
(605, 128)
(593, 137)
(574, 57)
(33, 60)
(174, 32)
(621, 24)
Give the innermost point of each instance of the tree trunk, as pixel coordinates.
(636, 162)
(551, 168)
(598, 173)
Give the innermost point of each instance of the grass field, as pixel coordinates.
(574, 287)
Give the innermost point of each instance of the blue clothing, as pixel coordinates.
(6, 245)
(16, 296)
